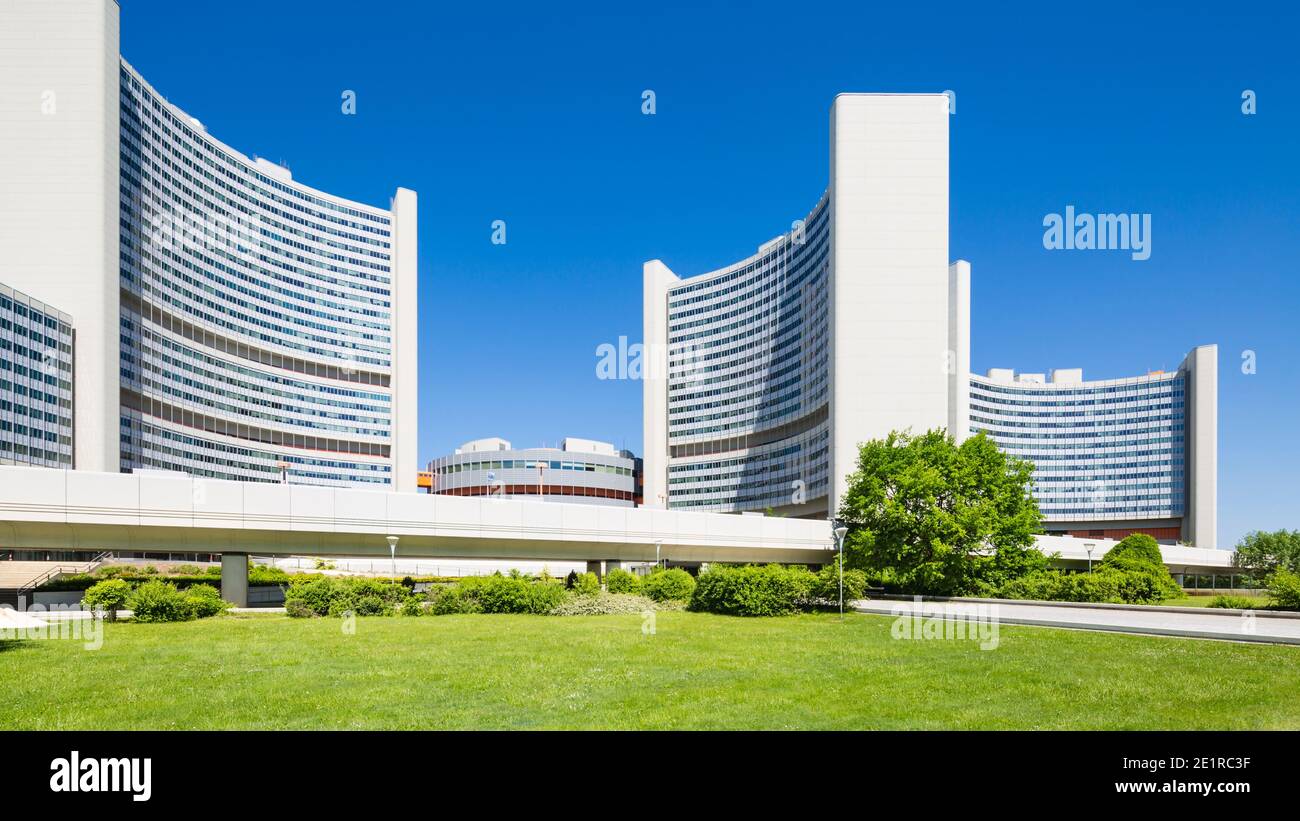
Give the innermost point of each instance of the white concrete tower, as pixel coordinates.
(59, 157)
(654, 393)
(889, 271)
(406, 343)
(1201, 519)
(958, 362)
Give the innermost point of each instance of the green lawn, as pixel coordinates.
(696, 672)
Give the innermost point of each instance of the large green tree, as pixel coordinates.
(945, 519)
(1260, 553)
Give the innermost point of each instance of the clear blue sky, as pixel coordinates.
(530, 113)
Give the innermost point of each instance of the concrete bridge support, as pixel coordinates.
(234, 578)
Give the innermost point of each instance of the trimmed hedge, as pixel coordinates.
(505, 594)
(619, 580)
(751, 590)
(258, 575)
(1124, 582)
(335, 596)
(674, 584)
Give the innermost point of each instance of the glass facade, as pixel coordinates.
(550, 473)
(748, 378)
(256, 313)
(35, 382)
(1103, 450)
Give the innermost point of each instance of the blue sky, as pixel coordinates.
(531, 113)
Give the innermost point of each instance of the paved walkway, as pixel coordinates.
(1229, 625)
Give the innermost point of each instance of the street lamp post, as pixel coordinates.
(659, 543)
(392, 552)
(1088, 547)
(840, 532)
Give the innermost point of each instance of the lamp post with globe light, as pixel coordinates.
(840, 532)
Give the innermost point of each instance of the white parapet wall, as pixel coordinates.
(1178, 558)
(42, 508)
(45, 508)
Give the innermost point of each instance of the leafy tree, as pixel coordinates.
(1261, 554)
(947, 519)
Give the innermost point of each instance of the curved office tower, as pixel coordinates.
(230, 321)
(748, 387)
(832, 334)
(257, 313)
(1112, 456)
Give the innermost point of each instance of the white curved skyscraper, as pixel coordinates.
(229, 321)
(854, 324)
(831, 334)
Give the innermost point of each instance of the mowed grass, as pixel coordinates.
(695, 672)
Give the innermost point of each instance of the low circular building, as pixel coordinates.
(579, 470)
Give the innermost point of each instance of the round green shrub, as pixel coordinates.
(619, 580)
(1139, 546)
(543, 597)
(371, 605)
(669, 585)
(205, 600)
(451, 600)
(586, 584)
(826, 584)
(501, 594)
(107, 597)
(314, 594)
(412, 607)
(160, 601)
(298, 609)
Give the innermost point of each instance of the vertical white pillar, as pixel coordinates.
(1201, 517)
(654, 375)
(959, 349)
(405, 355)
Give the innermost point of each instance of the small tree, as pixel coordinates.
(947, 519)
(1260, 553)
(107, 597)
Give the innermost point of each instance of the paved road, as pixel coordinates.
(1210, 624)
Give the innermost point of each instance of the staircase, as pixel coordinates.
(22, 578)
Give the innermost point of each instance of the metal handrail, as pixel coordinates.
(55, 572)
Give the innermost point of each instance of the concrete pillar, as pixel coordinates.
(597, 567)
(234, 578)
